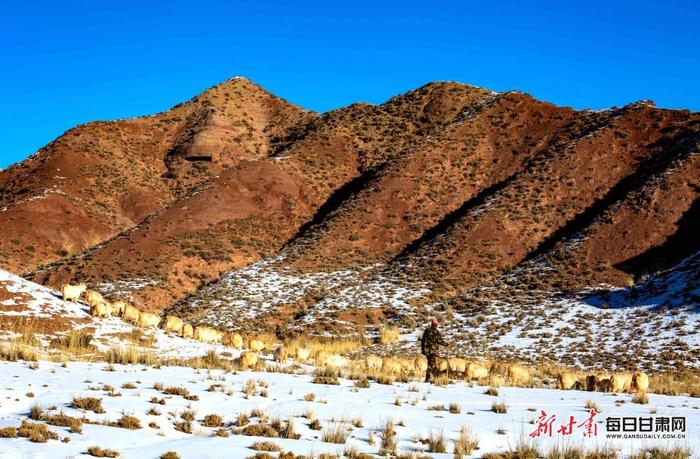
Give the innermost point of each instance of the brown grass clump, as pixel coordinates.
(63, 420)
(99, 452)
(76, 342)
(289, 432)
(170, 455)
(36, 432)
(265, 446)
(213, 420)
(15, 351)
(259, 430)
(499, 407)
(8, 432)
(455, 408)
(128, 355)
(387, 435)
(577, 452)
(326, 375)
(335, 434)
(641, 397)
(88, 403)
(437, 443)
(493, 391)
(663, 452)
(389, 335)
(466, 442)
(183, 426)
(128, 422)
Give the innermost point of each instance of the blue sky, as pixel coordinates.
(69, 62)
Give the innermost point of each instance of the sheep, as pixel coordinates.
(457, 365)
(475, 370)
(591, 382)
(604, 385)
(147, 319)
(236, 341)
(420, 364)
(131, 314)
(94, 298)
(247, 360)
(72, 292)
(338, 361)
(173, 324)
(207, 334)
(567, 380)
(499, 368)
(621, 382)
(373, 362)
(518, 374)
(100, 310)
(441, 364)
(640, 382)
(118, 308)
(187, 331)
(390, 365)
(256, 345)
(303, 354)
(280, 355)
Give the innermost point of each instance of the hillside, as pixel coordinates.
(238, 206)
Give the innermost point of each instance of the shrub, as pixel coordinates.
(455, 408)
(128, 422)
(170, 455)
(265, 446)
(336, 434)
(88, 403)
(493, 391)
(465, 443)
(387, 435)
(36, 432)
(259, 430)
(389, 335)
(8, 432)
(99, 452)
(437, 443)
(499, 407)
(213, 420)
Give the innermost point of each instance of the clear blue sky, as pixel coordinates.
(68, 62)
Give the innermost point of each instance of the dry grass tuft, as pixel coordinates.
(335, 434)
(99, 452)
(88, 403)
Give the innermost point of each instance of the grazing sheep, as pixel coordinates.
(442, 365)
(100, 310)
(621, 382)
(640, 382)
(118, 308)
(131, 314)
(187, 331)
(604, 385)
(420, 364)
(337, 361)
(499, 368)
(207, 334)
(390, 365)
(567, 380)
(147, 319)
(476, 370)
(247, 360)
(72, 292)
(591, 382)
(173, 324)
(256, 345)
(280, 355)
(518, 374)
(93, 298)
(373, 362)
(236, 341)
(303, 354)
(457, 366)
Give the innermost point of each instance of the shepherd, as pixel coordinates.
(429, 347)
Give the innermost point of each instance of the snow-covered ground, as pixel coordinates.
(361, 412)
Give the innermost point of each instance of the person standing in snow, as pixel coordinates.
(429, 347)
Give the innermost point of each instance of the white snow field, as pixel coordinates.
(361, 412)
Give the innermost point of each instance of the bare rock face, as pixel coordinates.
(448, 185)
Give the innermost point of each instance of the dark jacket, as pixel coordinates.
(431, 341)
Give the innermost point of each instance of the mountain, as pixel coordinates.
(238, 206)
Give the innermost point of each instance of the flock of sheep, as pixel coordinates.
(494, 374)
(604, 382)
